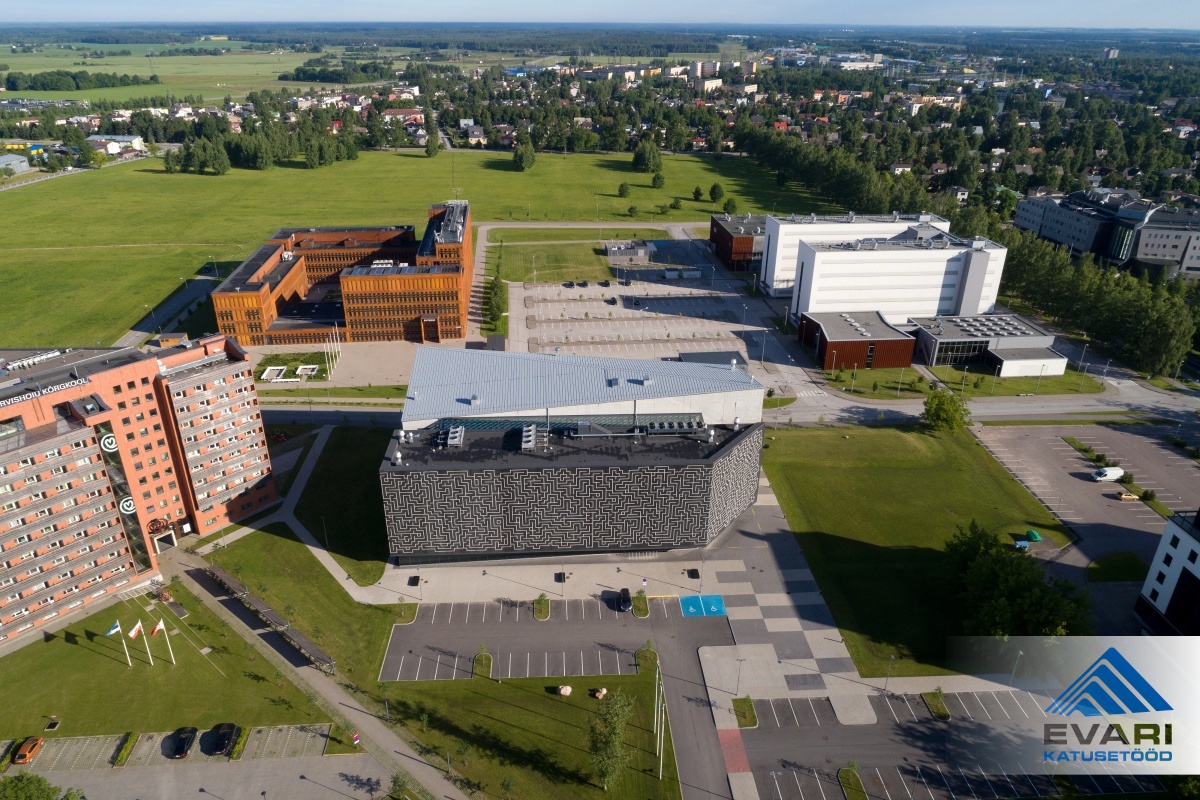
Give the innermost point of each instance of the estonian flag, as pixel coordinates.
(133, 634)
(116, 628)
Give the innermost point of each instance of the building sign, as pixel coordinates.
(48, 390)
(120, 489)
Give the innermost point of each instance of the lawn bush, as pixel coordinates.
(126, 750)
(239, 746)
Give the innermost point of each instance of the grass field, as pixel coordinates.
(214, 77)
(83, 678)
(1117, 567)
(514, 729)
(145, 230)
(520, 235)
(879, 559)
(863, 382)
(551, 262)
(344, 490)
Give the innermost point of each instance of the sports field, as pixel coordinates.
(872, 509)
(109, 244)
(81, 675)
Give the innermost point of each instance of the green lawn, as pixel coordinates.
(879, 556)
(777, 402)
(393, 392)
(937, 704)
(1117, 567)
(515, 729)
(82, 677)
(201, 321)
(113, 265)
(852, 784)
(291, 362)
(520, 730)
(281, 570)
(551, 263)
(519, 235)
(862, 383)
(344, 490)
(743, 709)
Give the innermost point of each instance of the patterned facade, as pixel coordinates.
(108, 456)
(493, 511)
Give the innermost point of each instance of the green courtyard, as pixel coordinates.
(119, 261)
(872, 508)
(82, 677)
(551, 263)
(515, 730)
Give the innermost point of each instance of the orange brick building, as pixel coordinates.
(107, 456)
(311, 285)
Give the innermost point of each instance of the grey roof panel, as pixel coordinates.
(444, 380)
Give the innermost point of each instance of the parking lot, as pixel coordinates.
(798, 747)
(77, 752)
(581, 637)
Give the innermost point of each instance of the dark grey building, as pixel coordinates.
(476, 489)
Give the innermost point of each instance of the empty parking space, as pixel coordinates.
(286, 741)
(84, 752)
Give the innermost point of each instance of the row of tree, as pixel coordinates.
(60, 80)
(320, 70)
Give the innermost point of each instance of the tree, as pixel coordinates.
(399, 786)
(730, 206)
(152, 146)
(507, 786)
(27, 786)
(633, 211)
(623, 190)
(646, 156)
(606, 737)
(676, 203)
(946, 410)
(432, 144)
(716, 192)
(524, 156)
(697, 194)
(658, 181)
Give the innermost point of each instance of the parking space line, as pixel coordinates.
(969, 786)
(814, 710)
(903, 782)
(518, 619)
(889, 705)
(793, 708)
(546, 665)
(885, 789)
(433, 618)
(818, 780)
(564, 655)
(1036, 703)
(599, 662)
(988, 781)
(454, 669)
(417, 677)
(962, 703)
(952, 795)
(1018, 702)
(796, 776)
(436, 667)
(921, 775)
(910, 708)
(567, 606)
(981, 705)
(771, 703)
(1002, 708)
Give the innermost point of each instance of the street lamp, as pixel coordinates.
(1016, 661)
(738, 691)
(1081, 356)
(775, 775)
(891, 658)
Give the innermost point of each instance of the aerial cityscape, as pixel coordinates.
(562, 405)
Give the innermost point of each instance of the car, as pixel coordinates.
(1126, 496)
(604, 284)
(583, 284)
(185, 738)
(625, 602)
(627, 282)
(568, 284)
(1108, 474)
(612, 301)
(28, 749)
(224, 735)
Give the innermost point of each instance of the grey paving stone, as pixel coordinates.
(807, 680)
(836, 664)
(802, 586)
(791, 646)
(780, 612)
(739, 600)
(751, 631)
(740, 576)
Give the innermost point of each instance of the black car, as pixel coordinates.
(224, 735)
(604, 284)
(625, 603)
(627, 282)
(583, 284)
(569, 284)
(185, 738)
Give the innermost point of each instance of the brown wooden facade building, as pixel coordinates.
(858, 340)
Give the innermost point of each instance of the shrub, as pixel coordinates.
(676, 203)
(1101, 459)
(658, 181)
(240, 745)
(1149, 495)
(623, 190)
(126, 749)
(770, 392)
(1127, 478)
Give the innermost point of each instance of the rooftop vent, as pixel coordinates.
(474, 399)
(647, 380)
(895, 216)
(851, 216)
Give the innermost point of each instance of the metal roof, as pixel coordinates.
(449, 382)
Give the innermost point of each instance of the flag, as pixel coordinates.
(161, 626)
(133, 634)
(116, 628)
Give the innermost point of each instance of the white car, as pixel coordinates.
(1108, 474)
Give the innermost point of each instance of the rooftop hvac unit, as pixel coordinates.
(812, 217)
(474, 399)
(647, 380)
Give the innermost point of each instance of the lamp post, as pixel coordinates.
(1038, 385)
(775, 777)
(1106, 367)
(738, 692)
(1082, 377)
(1081, 356)
(891, 658)
(853, 377)
(1016, 661)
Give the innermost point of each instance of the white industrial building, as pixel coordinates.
(921, 271)
(1012, 346)
(784, 236)
(470, 384)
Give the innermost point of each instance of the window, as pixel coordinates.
(121, 406)
(125, 421)
(1191, 556)
(140, 416)
(1160, 577)
(1174, 541)
(1153, 595)
(117, 389)
(145, 381)
(130, 385)
(1168, 559)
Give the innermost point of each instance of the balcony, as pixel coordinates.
(34, 545)
(224, 450)
(221, 498)
(61, 431)
(116, 560)
(58, 497)
(227, 422)
(185, 416)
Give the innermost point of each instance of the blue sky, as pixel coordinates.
(1022, 13)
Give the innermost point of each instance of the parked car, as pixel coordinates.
(28, 749)
(225, 735)
(1108, 474)
(568, 284)
(604, 284)
(625, 603)
(185, 738)
(583, 284)
(1126, 496)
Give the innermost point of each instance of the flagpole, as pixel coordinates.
(170, 649)
(121, 633)
(146, 639)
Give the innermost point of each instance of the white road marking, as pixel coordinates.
(922, 777)
(889, 705)
(910, 708)
(771, 703)
(435, 669)
(814, 710)
(1018, 702)
(417, 677)
(796, 775)
(981, 705)
(952, 795)
(885, 789)
(903, 782)
(454, 669)
(793, 708)
(958, 697)
(819, 786)
(400, 668)
(1002, 708)
(988, 781)
(969, 786)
